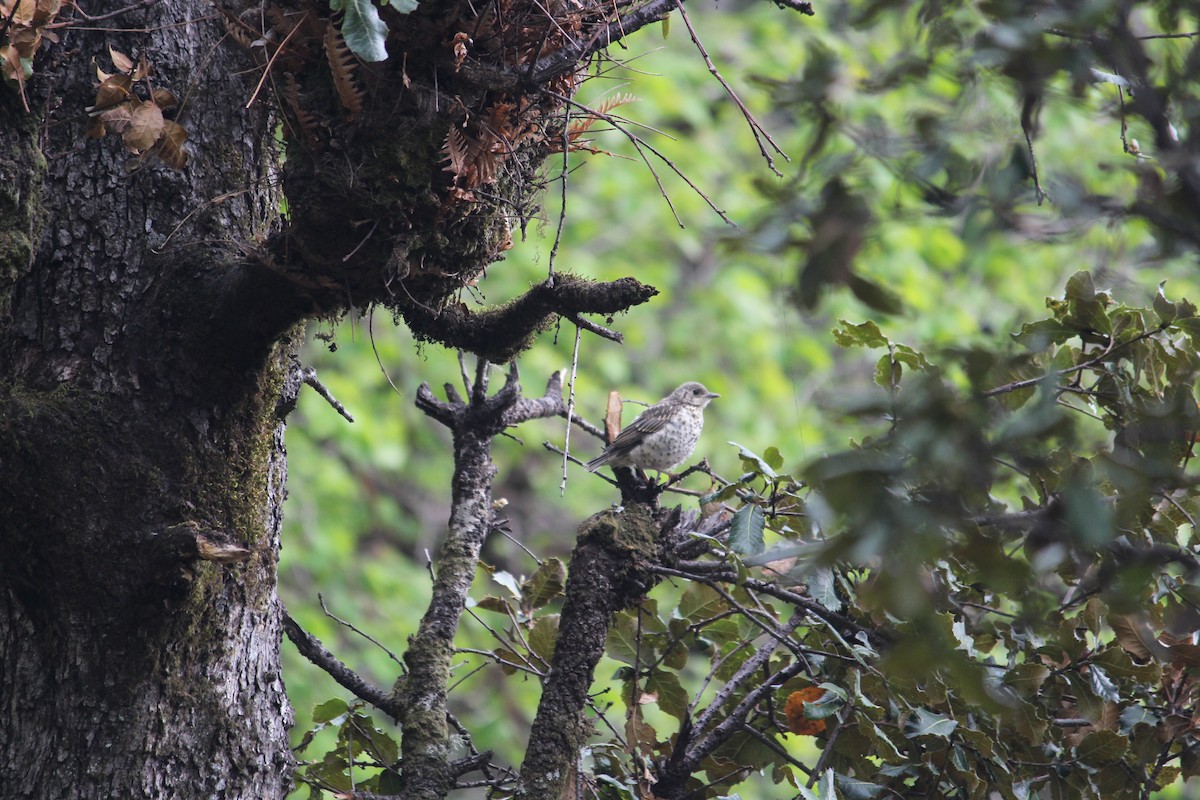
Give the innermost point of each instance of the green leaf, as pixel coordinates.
(403, 6)
(699, 602)
(884, 747)
(1102, 747)
(928, 723)
(1026, 679)
(1163, 307)
(888, 371)
(773, 457)
(1080, 287)
(507, 580)
(822, 588)
(543, 636)
(753, 462)
(875, 295)
(330, 710)
(545, 584)
(858, 789)
(365, 33)
(672, 697)
(624, 644)
(828, 704)
(493, 603)
(746, 531)
(866, 334)
(1039, 335)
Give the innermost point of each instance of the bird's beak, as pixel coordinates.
(713, 395)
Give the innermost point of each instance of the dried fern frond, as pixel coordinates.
(305, 120)
(473, 161)
(580, 125)
(342, 65)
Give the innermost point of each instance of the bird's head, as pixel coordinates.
(692, 394)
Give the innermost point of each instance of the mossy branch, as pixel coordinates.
(609, 572)
(421, 694)
(500, 334)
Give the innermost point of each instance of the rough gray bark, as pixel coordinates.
(138, 438)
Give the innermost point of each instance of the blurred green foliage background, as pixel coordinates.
(858, 97)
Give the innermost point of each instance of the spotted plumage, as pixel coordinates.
(663, 435)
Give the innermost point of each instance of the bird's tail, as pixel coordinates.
(596, 463)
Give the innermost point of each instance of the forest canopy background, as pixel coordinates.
(928, 151)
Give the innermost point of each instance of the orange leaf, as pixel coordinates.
(798, 723)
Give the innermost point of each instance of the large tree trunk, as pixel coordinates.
(146, 359)
(138, 432)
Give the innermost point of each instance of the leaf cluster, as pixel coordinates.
(137, 118)
(999, 588)
(24, 24)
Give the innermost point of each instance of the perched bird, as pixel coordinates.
(663, 435)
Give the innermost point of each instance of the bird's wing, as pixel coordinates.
(649, 421)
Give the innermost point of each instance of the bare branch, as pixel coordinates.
(312, 649)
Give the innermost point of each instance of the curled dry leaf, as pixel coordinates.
(461, 42)
(122, 62)
(22, 28)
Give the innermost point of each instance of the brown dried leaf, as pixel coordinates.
(46, 11)
(122, 62)
(95, 129)
(25, 41)
(10, 64)
(143, 69)
(117, 118)
(21, 13)
(581, 125)
(306, 121)
(170, 146)
(798, 723)
(112, 91)
(146, 124)
(456, 149)
(461, 42)
(612, 416)
(220, 552)
(165, 98)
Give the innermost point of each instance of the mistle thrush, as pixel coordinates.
(663, 435)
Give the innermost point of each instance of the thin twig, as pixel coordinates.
(601, 331)
(562, 487)
(375, 350)
(1112, 348)
(309, 376)
(267, 71)
(760, 133)
(367, 636)
(639, 143)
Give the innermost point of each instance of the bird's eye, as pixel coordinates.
(697, 391)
